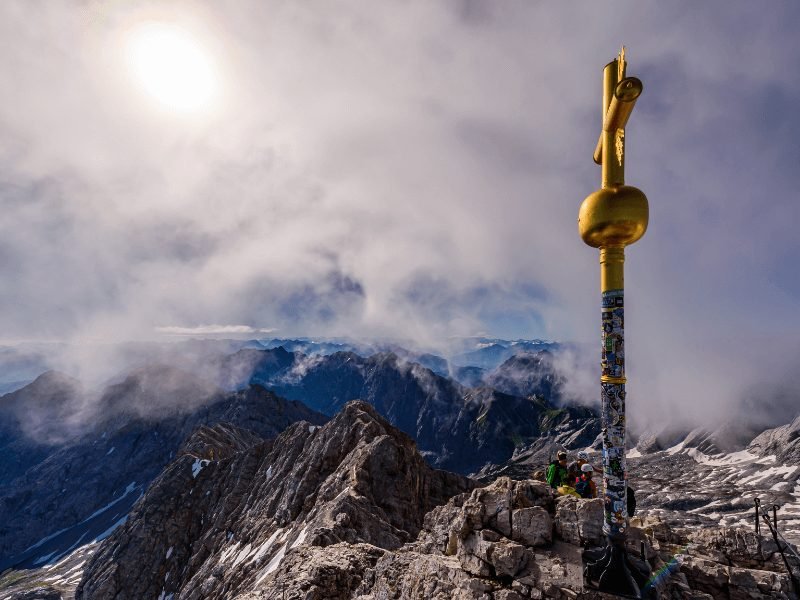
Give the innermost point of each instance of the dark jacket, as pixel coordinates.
(586, 487)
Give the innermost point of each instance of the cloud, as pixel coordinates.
(211, 330)
(412, 170)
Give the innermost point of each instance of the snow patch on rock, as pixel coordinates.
(272, 565)
(199, 465)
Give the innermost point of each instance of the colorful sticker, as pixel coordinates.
(613, 321)
(613, 415)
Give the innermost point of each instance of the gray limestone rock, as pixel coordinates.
(532, 526)
(319, 573)
(408, 574)
(579, 521)
(737, 547)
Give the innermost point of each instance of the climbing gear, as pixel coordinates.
(776, 535)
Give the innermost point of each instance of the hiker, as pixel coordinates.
(585, 487)
(575, 467)
(557, 474)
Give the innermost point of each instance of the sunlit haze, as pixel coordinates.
(171, 67)
(404, 170)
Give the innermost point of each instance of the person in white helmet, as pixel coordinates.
(585, 487)
(574, 468)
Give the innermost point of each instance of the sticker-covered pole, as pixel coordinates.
(611, 218)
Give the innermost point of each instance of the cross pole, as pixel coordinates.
(611, 218)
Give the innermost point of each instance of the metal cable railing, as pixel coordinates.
(772, 524)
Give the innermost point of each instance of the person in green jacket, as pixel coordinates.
(557, 473)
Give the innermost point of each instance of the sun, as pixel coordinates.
(172, 67)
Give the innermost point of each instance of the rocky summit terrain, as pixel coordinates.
(350, 510)
(77, 460)
(688, 481)
(696, 485)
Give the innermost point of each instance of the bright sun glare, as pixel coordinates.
(172, 67)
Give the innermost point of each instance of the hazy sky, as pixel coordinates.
(409, 169)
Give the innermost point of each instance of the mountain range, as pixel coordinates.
(87, 466)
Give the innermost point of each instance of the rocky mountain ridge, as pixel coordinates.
(75, 492)
(214, 527)
(350, 510)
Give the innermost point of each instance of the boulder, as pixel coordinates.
(532, 526)
(579, 521)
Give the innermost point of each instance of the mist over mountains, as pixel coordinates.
(80, 457)
(466, 360)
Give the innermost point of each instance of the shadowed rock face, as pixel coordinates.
(82, 488)
(457, 428)
(220, 518)
(32, 420)
(528, 374)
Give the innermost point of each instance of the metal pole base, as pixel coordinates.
(615, 572)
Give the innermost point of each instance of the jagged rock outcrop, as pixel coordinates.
(579, 522)
(211, 526)
(138, 423)
(492, 543)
